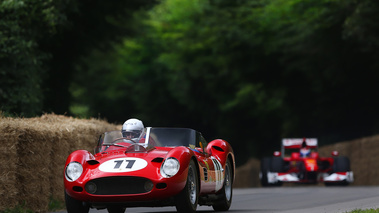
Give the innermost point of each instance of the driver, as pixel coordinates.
(132, 128)
(304, 150)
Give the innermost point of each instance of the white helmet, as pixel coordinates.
(133, 126)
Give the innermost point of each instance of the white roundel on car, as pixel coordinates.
(123, 165)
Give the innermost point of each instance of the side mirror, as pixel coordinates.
(277, 154)
(335, 153)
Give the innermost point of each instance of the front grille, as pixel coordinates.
(118, 185)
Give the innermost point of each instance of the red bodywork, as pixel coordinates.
(210, 161)
(311, 165)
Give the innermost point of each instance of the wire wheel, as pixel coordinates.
(188, 198)
(226, 192)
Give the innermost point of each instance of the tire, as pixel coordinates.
(187, 199)
(265, 167)
(75, 206)
(227, 190)
(340, 164)
(116, 209)
(277, 164)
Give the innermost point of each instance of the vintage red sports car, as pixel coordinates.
(163, 167)
(299, 162)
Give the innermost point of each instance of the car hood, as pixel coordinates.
(148, 155)
(119, 162)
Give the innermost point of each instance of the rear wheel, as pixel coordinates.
(277, 165)
(271, 164)
(341, 164)
(75, 206)
(187, 200)
(227, 191)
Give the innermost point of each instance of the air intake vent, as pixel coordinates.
(205, 174)
(119, 185)
(93, 162)
(157, 160)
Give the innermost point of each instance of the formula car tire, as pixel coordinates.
(265, 167)
(187, 200)
(227, 190)
(341, 164)
(277, 165)
(75, 206)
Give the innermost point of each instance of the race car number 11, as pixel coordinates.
(123, 165)
(129, 164)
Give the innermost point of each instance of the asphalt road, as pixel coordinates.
(298, 199)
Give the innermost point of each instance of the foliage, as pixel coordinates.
(250, 72)
(18, 209)
(365, 211)
(41, 41)
(22, 26)
(55, 205)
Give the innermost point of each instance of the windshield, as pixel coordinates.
(171, 137)
(149, 138)
(114, 138)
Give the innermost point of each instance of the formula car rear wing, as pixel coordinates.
(296, 143)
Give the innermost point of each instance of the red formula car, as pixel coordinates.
(163, 167)
(299, 162)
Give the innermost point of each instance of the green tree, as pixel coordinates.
(250, 72)
(42, 43)
(93, 26)
(22, 61)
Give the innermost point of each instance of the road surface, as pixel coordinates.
(298, 199)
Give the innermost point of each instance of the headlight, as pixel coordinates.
(170, 167)
(73, 171)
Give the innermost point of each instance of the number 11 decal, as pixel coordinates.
(123, 165)
(129, 164)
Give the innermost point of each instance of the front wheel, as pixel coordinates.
(75, 206)
(227, 191)
(187, 199)
(265, 168)
(340, 164)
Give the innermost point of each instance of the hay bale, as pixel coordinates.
(60, 151)
(248, 174)
(34, 151)
(34, 148)
(8, 165)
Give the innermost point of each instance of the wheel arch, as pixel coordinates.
(198, 171)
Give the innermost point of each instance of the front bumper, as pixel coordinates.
(121, 189)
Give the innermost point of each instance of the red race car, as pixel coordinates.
(299, 162)
(163, 167)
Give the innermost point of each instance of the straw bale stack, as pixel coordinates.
(33, 153)
(247, 175)
(363, 155)
(8, 164)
